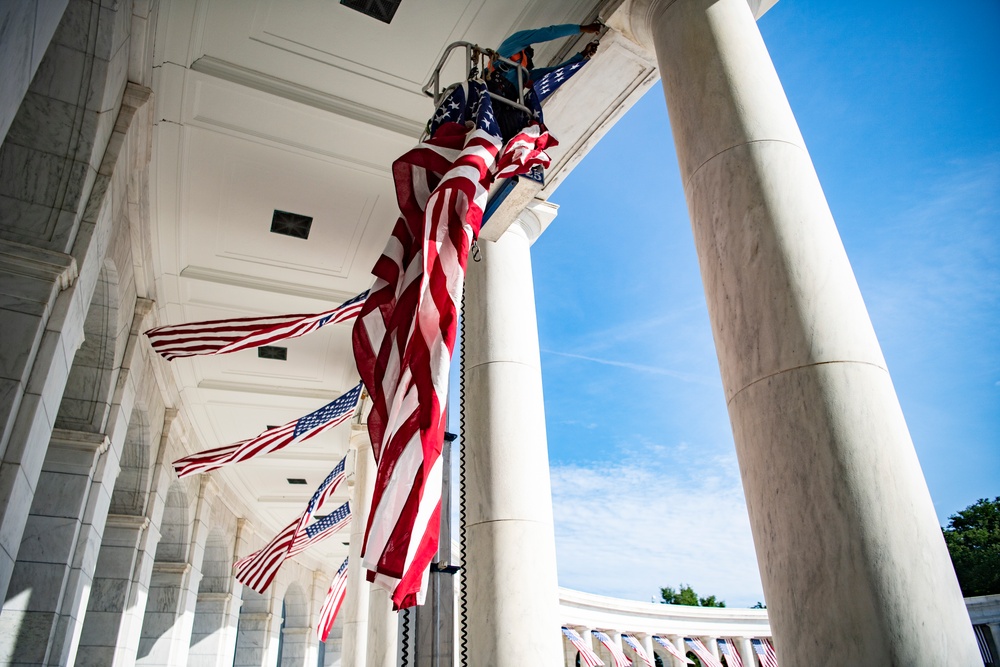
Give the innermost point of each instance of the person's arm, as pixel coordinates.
(525, 38)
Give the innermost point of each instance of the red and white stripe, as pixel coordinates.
(257, 570)
(732, 655)
(240, 333)
(707, 658)
(640, 652)
(616, 651)
(765, 652)
(271, 440)
(669, 647)
(403, 341)
(331, 604)
(587, 655)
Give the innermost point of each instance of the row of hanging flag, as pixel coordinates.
(763, 649)
(403, 340)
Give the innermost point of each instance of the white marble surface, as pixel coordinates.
(852, 560)
(509, 550)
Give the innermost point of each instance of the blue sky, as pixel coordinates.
(898, 103)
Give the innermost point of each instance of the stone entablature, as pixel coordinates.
(598, 612)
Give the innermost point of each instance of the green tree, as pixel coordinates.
(973, 539)
(686, 596)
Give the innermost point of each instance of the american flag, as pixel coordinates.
(728, 649)
(547, 85)
(669, 647)
(613, 648)
(765, 652)
(405, 335)
(258, 569)
(700, 650)
(241, 333)
(331, 605)
(273, 439)
(587, 655)
(634, 644)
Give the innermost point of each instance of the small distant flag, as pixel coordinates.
(587, 655)
(634, 644)
(331, 605)
(765, 652)
(273, 439)
(669, 647)
(258, 569)
(616, 651)
(700, 650)
(241, 333)
(728, 649)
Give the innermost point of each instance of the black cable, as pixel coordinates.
(463, 604)
(405, 653)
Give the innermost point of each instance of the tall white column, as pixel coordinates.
(852, 559)
(746, 651)
(383, 629)
(681, 646)
(510, 557)
(355, 610)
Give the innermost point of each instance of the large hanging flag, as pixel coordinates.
(405, 334)
(700, 650)
(241, 333)
(616, 651)
(634, 644)
(587, 655)
(330, 415)
(669, 647)
(258, 569)
(331, 605)
(765, 652)
(728, 650)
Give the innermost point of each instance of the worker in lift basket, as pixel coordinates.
(502, 77)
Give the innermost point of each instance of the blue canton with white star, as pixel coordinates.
(548, 83)
(331, 519)
(452, 110)
(336, 472)
(349, 302)
(338, 408)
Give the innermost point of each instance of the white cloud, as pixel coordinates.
(628, 528)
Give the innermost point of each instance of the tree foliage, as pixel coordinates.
(973, 539)
(685, 595)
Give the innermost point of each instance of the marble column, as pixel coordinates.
(124, 634)
(255, 645)
(298, 647)
(712, 644)
(746, 651)
(509, 557)
(51, 580)
(213, 633)
(383, 629)
(681, 646)
(173, 594)
(110, 593)
(852, 559)
(355, 608)
(646, 641)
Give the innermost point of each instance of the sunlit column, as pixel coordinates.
(746, 651)
(355, 609)
(852, 559)
(509, 540)
(383, 629)
(681, 646)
